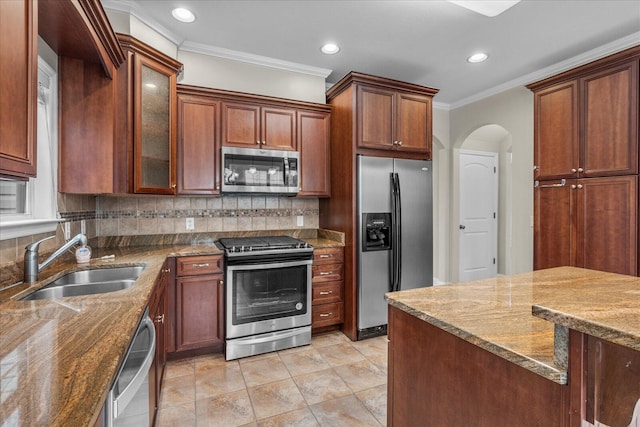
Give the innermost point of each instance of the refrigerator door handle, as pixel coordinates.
(395, 242)
(398, 234)
(392, 253)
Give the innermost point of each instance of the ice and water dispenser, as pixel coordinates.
(376, 233)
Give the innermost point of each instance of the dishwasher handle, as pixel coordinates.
(121, 401)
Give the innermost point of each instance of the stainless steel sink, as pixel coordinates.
(89, 282)
(99, 275)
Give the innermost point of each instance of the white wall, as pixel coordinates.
(441, 195)
(513, 110)
(214, 72)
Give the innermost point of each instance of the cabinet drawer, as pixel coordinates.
(327, 273)
(327, 292)
(328, 256)
(327, 314)
(197, 265)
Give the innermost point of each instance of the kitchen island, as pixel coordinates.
(548, 348)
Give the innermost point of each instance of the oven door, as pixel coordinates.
(267, 297)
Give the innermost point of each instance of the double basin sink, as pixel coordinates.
(89, 282)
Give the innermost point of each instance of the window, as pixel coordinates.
(29, 207)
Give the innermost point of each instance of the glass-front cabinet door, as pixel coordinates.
(155, 127)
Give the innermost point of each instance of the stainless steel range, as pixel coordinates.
(268, 294)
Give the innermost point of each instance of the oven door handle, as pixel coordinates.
(268, 338)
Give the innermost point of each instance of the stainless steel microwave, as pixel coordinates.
(253, 170)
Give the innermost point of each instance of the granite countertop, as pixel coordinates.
(59, 357)
(514, 316)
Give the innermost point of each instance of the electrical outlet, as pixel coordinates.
(299, 220)
(67, 231)
(190, 224)
(83, 227)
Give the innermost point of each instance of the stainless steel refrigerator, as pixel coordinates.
(395, 234)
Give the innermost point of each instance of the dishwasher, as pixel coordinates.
(127, 403)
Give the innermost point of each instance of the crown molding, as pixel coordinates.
(584, 58)
(131, 7)
(204, 49)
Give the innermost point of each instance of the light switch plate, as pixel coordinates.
(83, 227)
(190, 224)
(67, 231)
(299, 220)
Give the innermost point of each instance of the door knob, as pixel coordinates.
(462, 227)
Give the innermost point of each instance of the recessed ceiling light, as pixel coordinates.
(477, 57)
(183, 15)
(330, 48)
(486, 8)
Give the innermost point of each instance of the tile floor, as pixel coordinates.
(332, 382)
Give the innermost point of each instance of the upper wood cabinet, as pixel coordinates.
(198, 145)
(313, 142)
(586, 120)
(152, 87)
(18, 85)
(211, 118)
(385, 114)
(393, 120)
(254, 125)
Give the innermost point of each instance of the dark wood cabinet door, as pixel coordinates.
(375, 112)
(556, 151)
(278, 128)
(240, 125)
(554, 234)
(313, 143)
(610, 121)
(607, 224)
(18, 85)
(154, 127)
(198, 311)
(413, 123)
(157, 313)
(198, 145)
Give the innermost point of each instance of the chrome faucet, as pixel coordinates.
(32, 269)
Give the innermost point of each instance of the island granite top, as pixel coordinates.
(514, 316)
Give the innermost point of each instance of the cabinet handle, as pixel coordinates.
(326, 314)
(165, 270)
(326, 292)
(200, 265)
(326, 273)
(159, 318)
(326, 256)
(563, 182)
(173, 186)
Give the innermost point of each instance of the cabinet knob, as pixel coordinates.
(400, 143)
(258, 142)
(395, 142)
(580, 170)
(173, 186)
(574, 170)
(264, 142)
(159, 318)
(220, 282)
(573, 187)
(165, 270)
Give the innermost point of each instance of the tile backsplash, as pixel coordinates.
(129, 215)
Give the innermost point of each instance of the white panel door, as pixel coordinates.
(478, 230)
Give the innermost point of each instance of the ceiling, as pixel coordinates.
(424, 42)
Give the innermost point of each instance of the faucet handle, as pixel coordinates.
(34, 246)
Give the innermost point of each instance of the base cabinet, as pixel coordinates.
(157, 313)
(327, 278)
(199, 303)
(438, 379)
(590, 223)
